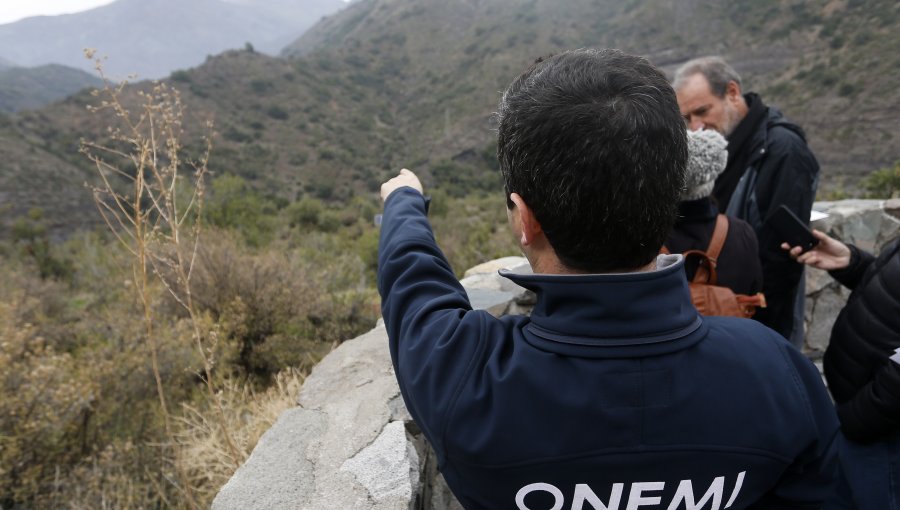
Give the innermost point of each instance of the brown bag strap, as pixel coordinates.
(754, 301)
(720, 232)
(706, 267)
(706, 271)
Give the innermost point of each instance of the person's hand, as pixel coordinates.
(829, 254)
(405, 178)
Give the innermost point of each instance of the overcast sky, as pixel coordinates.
(14, 10)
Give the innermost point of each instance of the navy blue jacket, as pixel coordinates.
(615, 393)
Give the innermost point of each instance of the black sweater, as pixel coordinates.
(738, 266)
(865, 383)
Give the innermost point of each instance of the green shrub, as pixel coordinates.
(846, 89)
(459, 179)
(236, 135)
(298, 159)
(261, 86)
(277, 112)
(233, 204)
(180, 76)
(30, 234)
(305, 213)
(884, 183)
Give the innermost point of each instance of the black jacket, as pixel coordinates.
(865, 383)
(780, 169)
(613, 393)
(738, 266)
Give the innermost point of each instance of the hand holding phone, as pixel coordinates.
(791, 229)
(828, 255)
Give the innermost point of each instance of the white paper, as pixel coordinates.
(817, 215)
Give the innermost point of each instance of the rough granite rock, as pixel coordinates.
(868, 224)
(348, 393)
(821, 311)
(487, 290)
(864, 223)
(388, 468)
(892, 208)
(279, 471)
(492, 266)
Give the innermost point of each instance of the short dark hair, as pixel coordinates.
(595, 144)
(716, 71)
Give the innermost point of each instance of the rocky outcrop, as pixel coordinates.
(344, 446)
(868, 224)
(351, 444)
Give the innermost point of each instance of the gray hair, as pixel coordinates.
(716, 71)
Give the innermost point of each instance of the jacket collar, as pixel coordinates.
(739, 140)
(612, 315)
(759, 141)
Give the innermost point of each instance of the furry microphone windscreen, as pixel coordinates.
(707, 157)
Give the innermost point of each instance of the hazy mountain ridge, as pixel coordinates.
(390, 83)
(154, 37)
(828, 64)
(24, 88)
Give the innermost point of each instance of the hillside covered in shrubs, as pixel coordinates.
(140, 362)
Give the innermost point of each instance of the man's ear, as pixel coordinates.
(733, 91)
(525, 220)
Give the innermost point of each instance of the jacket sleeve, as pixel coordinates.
(787, 176)
(874, 411)
(433, 332)
(851, 275)
(808, 481)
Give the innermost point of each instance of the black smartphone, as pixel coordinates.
(791, 229)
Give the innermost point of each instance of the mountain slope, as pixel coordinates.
(154, 37)
(290, 128)
(33, 177)
(391, 83)
(829, 65)
(24, 88)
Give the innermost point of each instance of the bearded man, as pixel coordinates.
(769, 165)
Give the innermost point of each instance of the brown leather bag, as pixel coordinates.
(712, 299)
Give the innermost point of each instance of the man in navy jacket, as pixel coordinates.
(614, 393)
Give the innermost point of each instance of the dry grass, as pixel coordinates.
(247, 413)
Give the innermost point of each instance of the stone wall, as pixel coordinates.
(350, 443)
(868, 224)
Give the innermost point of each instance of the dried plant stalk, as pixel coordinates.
(152, 201)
